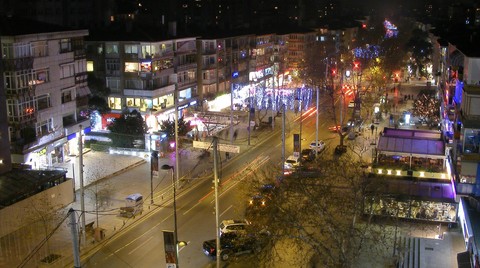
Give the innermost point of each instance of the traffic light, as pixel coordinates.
(356, 65)
(334, 72)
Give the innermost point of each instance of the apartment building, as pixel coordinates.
(457, 65)
(145, 71)
(223, 67)
(45, 85)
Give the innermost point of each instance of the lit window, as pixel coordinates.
(89, 66)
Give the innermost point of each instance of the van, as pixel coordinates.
(133, 205)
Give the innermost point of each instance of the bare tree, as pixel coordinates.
(46, 216)
(323, 217)
(100, 191)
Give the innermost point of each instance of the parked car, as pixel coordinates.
(233, 226)
(231, 244)
(308, 155)
(319, 146)
(292, 162)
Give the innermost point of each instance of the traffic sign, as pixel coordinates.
(221, 147)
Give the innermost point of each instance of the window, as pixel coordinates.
(44, 127)
(89, 66)
(163, 64)
(7, 51)
(67, 70)
(67, 95)
(132, 67)
(113, 83)
(148, 51)
(131, 49)
(111, 49)
(22, 50)
(134, 84)
(41, 76)
(114, 103)
(65, 45)
(39, 49)
(43, 102)
(113, 66)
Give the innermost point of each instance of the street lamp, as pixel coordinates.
(166, 167)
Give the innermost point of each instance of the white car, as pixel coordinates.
(320, 146)
(292, 162)
(231, 226)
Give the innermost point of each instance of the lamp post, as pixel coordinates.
(166, 167)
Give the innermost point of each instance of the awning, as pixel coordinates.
(456, 59)
(83, 91)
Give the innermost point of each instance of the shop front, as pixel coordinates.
(415, 200)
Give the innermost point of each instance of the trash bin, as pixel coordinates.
(99, 234)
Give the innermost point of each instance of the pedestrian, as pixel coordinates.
(372, 127)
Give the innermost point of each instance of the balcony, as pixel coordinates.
(18, 64)
(21, 91)
(186, 66)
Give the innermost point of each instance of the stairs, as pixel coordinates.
(408, 252)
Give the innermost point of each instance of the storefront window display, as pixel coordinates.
(115, 103)
(411, 209)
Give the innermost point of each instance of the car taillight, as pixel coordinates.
(212, 250)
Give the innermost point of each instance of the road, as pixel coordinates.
(141, 245)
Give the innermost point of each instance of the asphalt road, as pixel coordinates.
(141, 245)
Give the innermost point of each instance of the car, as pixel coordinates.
(334, 128)
(233, 226)
(340, 149)
(308, 155)
(261, 199)
(319, 146)
(292, 162)
(231, 244)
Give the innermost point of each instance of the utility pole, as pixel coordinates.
(73, 229)
(215, 181)
(283, 139)
(249, 112)
(177, 163)
(82, 190)
(231, 111)
(316, 125)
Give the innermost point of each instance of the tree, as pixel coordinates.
(127, 128)
(168, 126)
(427, 108)
(323, 218)
(421, 48)
(97, 101)
(44, 216)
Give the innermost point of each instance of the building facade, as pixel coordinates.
(45, 85)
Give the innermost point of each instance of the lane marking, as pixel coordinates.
(141, 245)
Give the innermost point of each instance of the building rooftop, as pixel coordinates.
(407, 141)
(18, 184)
